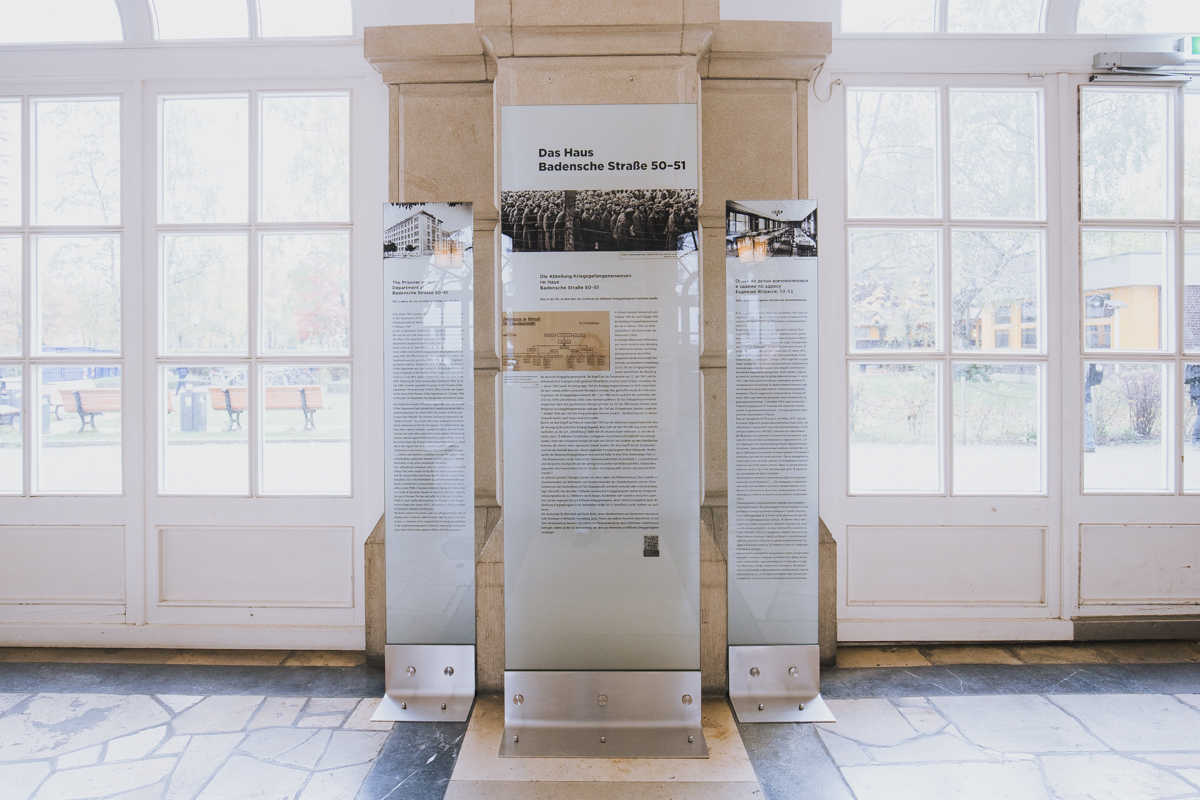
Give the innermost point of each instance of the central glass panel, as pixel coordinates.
(600, 351)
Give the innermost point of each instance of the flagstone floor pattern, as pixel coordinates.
(56, 746)
(1018, 747)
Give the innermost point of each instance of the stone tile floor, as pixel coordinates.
(1097, 721)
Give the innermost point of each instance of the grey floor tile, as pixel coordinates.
(791, 762)
(416, 762)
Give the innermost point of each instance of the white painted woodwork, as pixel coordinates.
(62, 566)
(268, 567)
(1139, 564)
(946, 566)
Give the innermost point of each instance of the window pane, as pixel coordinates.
(1191, 428)
(77, 162)
(78, 283)
(306, 292)
(1123, 158)
(894, 428)
(11, 464)
(204, 280)
(79, 430)
(306, 158)
(205, 417)
(1191, 156)
(205, 160)
(10, 162)
(1123, 425)
(994, 16)
(888, 16)
(304, 18)
(212, 19)
(893, 289)
(10, 297)
(60, 21)
(1138, 16)
(892, 147)
(1191, 291)
(306, 430)
(997, 425)
(1126, 291)
(994, 155)
(996, 285)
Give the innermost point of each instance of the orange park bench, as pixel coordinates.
(302, 398)
(231, 400)
(90, 403)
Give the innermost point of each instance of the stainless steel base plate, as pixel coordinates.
(602, 715)
(427, 683)
(777, 683)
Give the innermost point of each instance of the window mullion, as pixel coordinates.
(254, 405)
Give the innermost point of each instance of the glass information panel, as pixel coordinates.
(429, 424)
(771, 318)
(600, 343)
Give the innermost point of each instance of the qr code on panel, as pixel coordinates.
(650, 546)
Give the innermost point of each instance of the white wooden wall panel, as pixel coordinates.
(265, 567)
(62, 565)
(946, 566)
(1139, 564)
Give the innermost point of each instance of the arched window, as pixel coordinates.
(61, 21)
(278, 18)
(213, 19)
(1138, 16)
(888, 16)
(994, 16)
(921, 16)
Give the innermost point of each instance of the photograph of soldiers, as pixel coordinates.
(660, 220)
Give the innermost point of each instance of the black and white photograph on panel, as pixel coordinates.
(757, 230)
(425, 230)
(592, 220)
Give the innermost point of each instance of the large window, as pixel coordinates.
(946, 243)
(1139, 251)
(61, 243)
(254, 266)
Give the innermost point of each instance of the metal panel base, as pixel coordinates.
(602, 715)
(777, 683)
(427, 683)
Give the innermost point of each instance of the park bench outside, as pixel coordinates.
(90, 403)
(232, 400)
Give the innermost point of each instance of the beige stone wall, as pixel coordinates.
(447, 82)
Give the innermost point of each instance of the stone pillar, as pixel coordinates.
(448, 83)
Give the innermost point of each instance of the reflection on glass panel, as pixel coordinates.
(994, 16)
(306, 430)
(77, 162)
(279, 18)
(995, 155)
(892, 150)
(1191, 291)
(1123, 424)
(996, 288)
(893, 289)
(1123, 158)
(1138, 16)
(11, 415)
(1191, 156)
(894, 439)
(205, 417)
(212, 19)
(887, 16)
(10, 162)
(10, 296)
(205, 159)
(78, 283)
(305, 158)
(204, 292)
(1191, 428)
(306, 292)
(60, 21)
(1126, 291)
(79, 430)
(996, 428)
